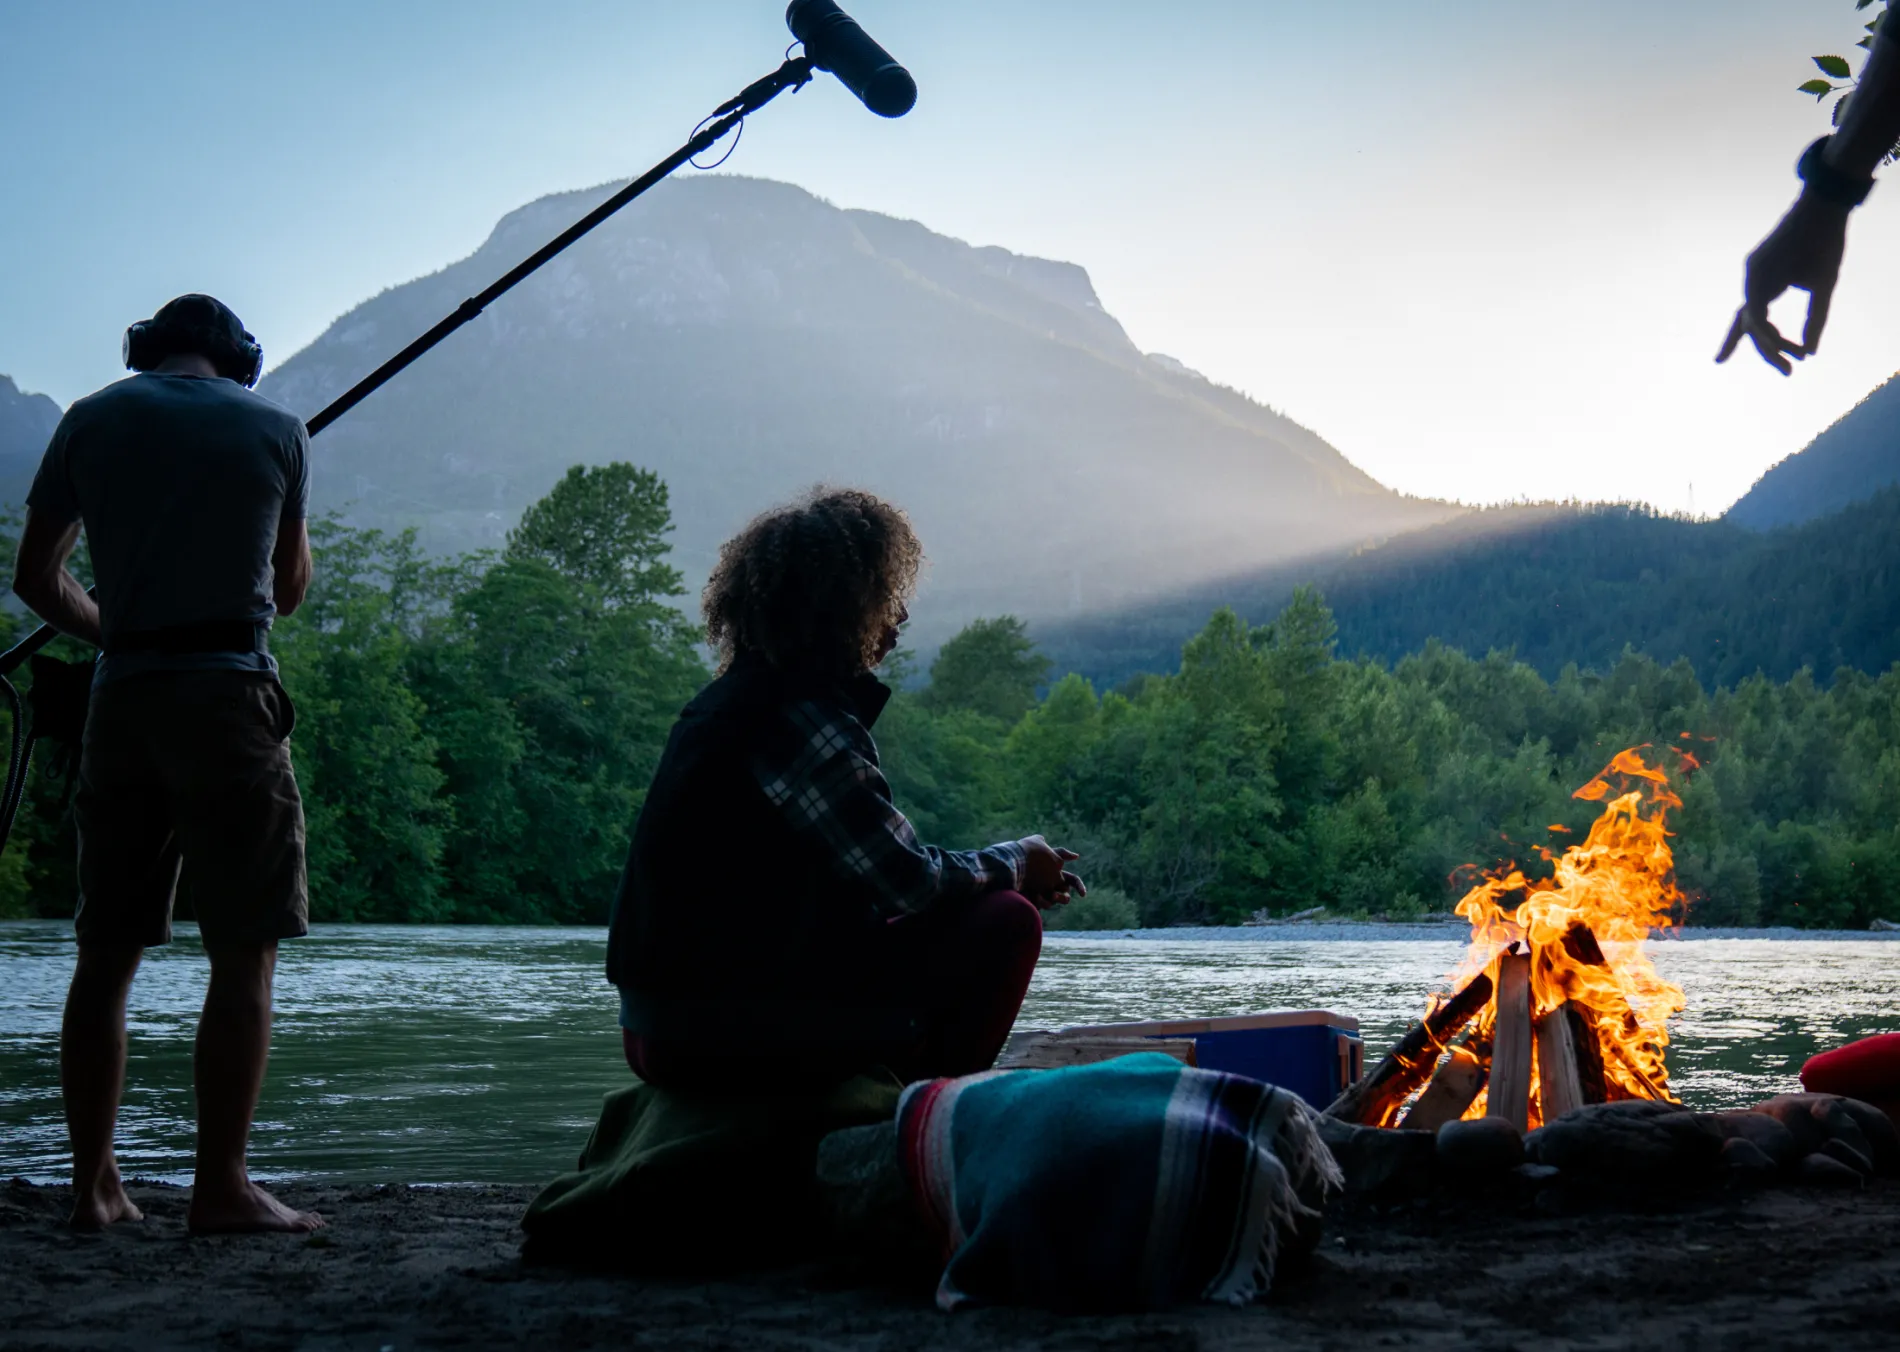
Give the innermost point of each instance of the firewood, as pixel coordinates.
(1580, 942)
(1583, 1040)
(1648, 1088)
(1451, 1091)
(1559, 1084)
(1510, 1096)
(1409, 1064)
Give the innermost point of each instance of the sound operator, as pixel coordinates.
(192, 492)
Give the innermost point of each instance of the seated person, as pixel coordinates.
(778, 920)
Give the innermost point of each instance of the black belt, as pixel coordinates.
(218, 636)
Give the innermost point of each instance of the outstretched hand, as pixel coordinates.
(1803, 251)
(1045, 881)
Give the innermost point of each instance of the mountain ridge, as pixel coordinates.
(26, 424)
(1856, 457)
(1558, 584)
(744, 339)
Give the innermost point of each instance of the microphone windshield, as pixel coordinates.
(834, 42)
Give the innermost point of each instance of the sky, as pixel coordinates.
(1488, 250)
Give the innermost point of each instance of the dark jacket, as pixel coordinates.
(721, 900)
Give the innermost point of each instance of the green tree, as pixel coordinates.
(366, 758)
(1047, 753)
(1211, 810)
(991, 668)
(605, 528)
(552, 681)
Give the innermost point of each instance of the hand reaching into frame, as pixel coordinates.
(1803, 251)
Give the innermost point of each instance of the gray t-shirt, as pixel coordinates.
(181, 482)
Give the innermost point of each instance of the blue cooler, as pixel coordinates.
(1313, 1052)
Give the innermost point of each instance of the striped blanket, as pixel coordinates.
(1135, 1183)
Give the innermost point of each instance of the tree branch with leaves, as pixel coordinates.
(1838, 68)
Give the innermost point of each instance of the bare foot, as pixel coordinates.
(251, 1211)
(105, 1204)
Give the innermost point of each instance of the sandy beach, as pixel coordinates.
(426, 1268)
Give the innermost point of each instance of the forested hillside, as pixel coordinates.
(1557, 585)
(1267, 773)
(1852, 460)
(475, 737)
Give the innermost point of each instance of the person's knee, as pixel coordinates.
(241, 973)
(241, 960)
(1013, 919)
(105, 971)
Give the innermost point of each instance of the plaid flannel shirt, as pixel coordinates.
(819, 768)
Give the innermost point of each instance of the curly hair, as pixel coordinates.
(811, 586)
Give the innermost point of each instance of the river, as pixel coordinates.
(480, 1054)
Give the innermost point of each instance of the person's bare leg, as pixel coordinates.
(233, 1048)
(91, 1078)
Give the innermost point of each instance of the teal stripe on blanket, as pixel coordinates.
(1135, 1183)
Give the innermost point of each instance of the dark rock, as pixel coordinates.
(1626, 1108)
(1745, 1162)
(1636, 1142)
(1484, 1145)
(1824, 1171)
(1882, 1147)
(1376, 1158)
(1852, 1158)
(1537, 1174)
(1765, 1133)
(1816, 1119)
(1879, 1129)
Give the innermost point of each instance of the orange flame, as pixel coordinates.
(1618, 884)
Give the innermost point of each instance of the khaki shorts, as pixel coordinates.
(190, 767)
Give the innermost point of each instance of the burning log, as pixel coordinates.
(1602, 1037)
(1407, 1065)
(1645, 1086)
(1559, 1081)
(1583, 1040)
(1452, 1090)
(1510, 1096)
(1580, 942)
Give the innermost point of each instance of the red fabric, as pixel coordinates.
(961, 968)
(1868, 1069)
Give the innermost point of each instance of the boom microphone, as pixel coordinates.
(834, 42)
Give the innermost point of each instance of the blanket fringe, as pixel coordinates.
(1297, 1165)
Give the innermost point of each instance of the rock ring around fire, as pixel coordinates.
(1611, 1149)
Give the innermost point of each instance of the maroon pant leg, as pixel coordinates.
(961, 969)
(964, 967)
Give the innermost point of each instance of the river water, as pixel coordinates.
(480, 1054)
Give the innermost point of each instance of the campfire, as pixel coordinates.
(1555, 1005)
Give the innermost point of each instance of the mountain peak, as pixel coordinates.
(26, 424)
(745, 339)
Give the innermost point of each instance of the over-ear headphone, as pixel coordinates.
(199, 324)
